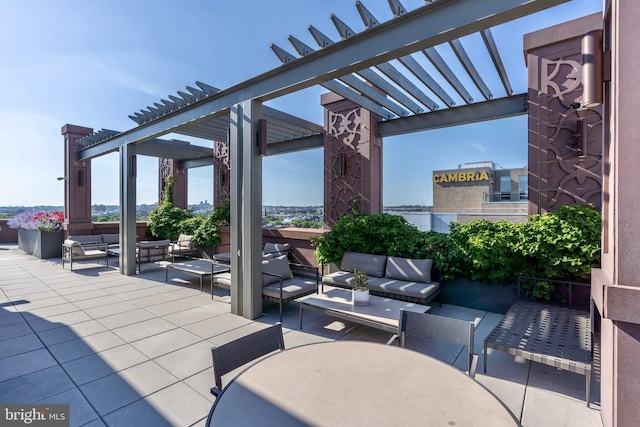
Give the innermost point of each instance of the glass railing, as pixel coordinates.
(504, 196)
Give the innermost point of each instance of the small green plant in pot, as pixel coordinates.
(360, 288)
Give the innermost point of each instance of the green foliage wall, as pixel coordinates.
(563, 245)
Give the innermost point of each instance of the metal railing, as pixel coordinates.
(504, 196)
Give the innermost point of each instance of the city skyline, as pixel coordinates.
(63, 66)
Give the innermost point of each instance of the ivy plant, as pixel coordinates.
(164, 221)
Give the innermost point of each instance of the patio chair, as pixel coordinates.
(241, 351)
(72, 250)
(440, 328)
(183, 247)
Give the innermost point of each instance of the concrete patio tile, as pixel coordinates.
(188, 316)
(544, 408)
(511, 394)
(177, 305)
(25, 363)
(461, 313)
(15, 329)
(33, 306)
(235, 333)
(88, 294)
(81, 347)
(547, 377)
(110, 309)
(216, 325)
(162, 408)
(70, 318)
(137, 293)
(296, 338)
(140, 413)
(9, 317)
(21, 344)
(144, 329)
(202, 383)
(97, 301)
(68, 333)
(95, 423)
(109, 393)
(80, 411)
(165, 342)
(328, 326)
(505, 366)
(98, 365)
(124, 319)
(187, 361)
(161, 298)
(147, 378)
(33, 294)
(35, 386)
(362, 333)
(49, 311)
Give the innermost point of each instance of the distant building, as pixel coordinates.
(480, 190)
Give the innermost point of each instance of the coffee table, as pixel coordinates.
(381, 313)
(196, 267)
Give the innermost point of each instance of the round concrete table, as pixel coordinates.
(352, 383)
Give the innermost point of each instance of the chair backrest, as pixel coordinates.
(438, 327)
(236, 353)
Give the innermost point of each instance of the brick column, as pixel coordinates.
(77, 183)
(167, 168)
(352, 159)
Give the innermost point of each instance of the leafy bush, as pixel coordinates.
(165, 220)
(207, 233)
(562, 245)
(381, 234)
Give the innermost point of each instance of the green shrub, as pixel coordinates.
(207, 232)
(164, 221)
(562, 245)
(381, 234)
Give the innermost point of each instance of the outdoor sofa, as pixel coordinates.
(83, 247)
(389, 276)
(279, 284)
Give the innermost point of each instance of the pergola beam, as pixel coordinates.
(500, 108)
(423, 28)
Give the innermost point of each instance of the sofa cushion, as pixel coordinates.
(276, 249)
(412, 270)
(223, 280)
(291, 288)
(279, 266)
(373, 265)
(111, 239)
(76, 247)
(85, 239)
(418, 290)
(184, 241)
(339, 278)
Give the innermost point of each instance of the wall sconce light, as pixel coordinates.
(262, 137)
(133, 165)
(592, 69)
(342, 164)
(582, 138)
(80, 178)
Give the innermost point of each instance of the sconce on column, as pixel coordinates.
(133, 163)
(582, 138)
(342, 164)
(80, 178)
(262, 137)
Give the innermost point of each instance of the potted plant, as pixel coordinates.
(39, 233)
(360, 288)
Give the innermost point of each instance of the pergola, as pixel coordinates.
(378, 69)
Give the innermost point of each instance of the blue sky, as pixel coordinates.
(93, 63)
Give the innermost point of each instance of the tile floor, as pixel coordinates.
(136, 351)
